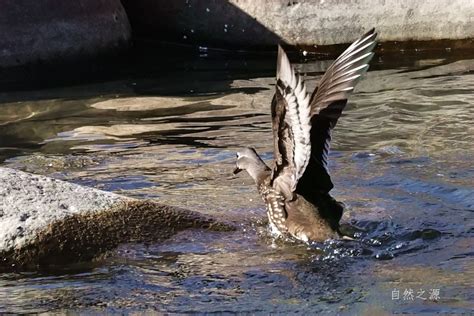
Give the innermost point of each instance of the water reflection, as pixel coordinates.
(401, 162)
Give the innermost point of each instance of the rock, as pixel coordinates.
(33, 32)
(48, 221)
(250, 23)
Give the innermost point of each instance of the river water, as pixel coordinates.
(401, 160)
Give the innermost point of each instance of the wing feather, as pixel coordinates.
(342, 76)
(291, 125)
(302, 123)
(327, 102)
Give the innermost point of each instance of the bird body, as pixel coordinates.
(296, 188)
(298, 218)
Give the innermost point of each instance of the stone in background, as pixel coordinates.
(34, 32)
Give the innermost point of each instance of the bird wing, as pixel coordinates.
(291, 115)
(327, 102)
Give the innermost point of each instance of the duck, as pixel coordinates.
(296, 188)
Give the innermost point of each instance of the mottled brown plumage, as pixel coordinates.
(296, 188)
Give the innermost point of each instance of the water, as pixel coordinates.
(401, 162)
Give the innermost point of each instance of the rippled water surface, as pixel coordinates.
(401, 160)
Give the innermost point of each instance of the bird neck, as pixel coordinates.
(259, 171)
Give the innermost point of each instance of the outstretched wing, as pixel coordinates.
(327, 103)
(291, 115)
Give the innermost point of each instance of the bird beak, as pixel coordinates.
(237, 170)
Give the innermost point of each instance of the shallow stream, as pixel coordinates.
(401, 160)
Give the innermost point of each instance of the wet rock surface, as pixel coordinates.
(48, 221)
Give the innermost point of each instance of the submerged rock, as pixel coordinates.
(141, 103)
(48, 221)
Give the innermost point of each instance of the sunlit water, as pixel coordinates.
(402, 163)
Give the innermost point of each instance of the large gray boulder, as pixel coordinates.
(246, 23)
(48, 221)
(56, 30)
